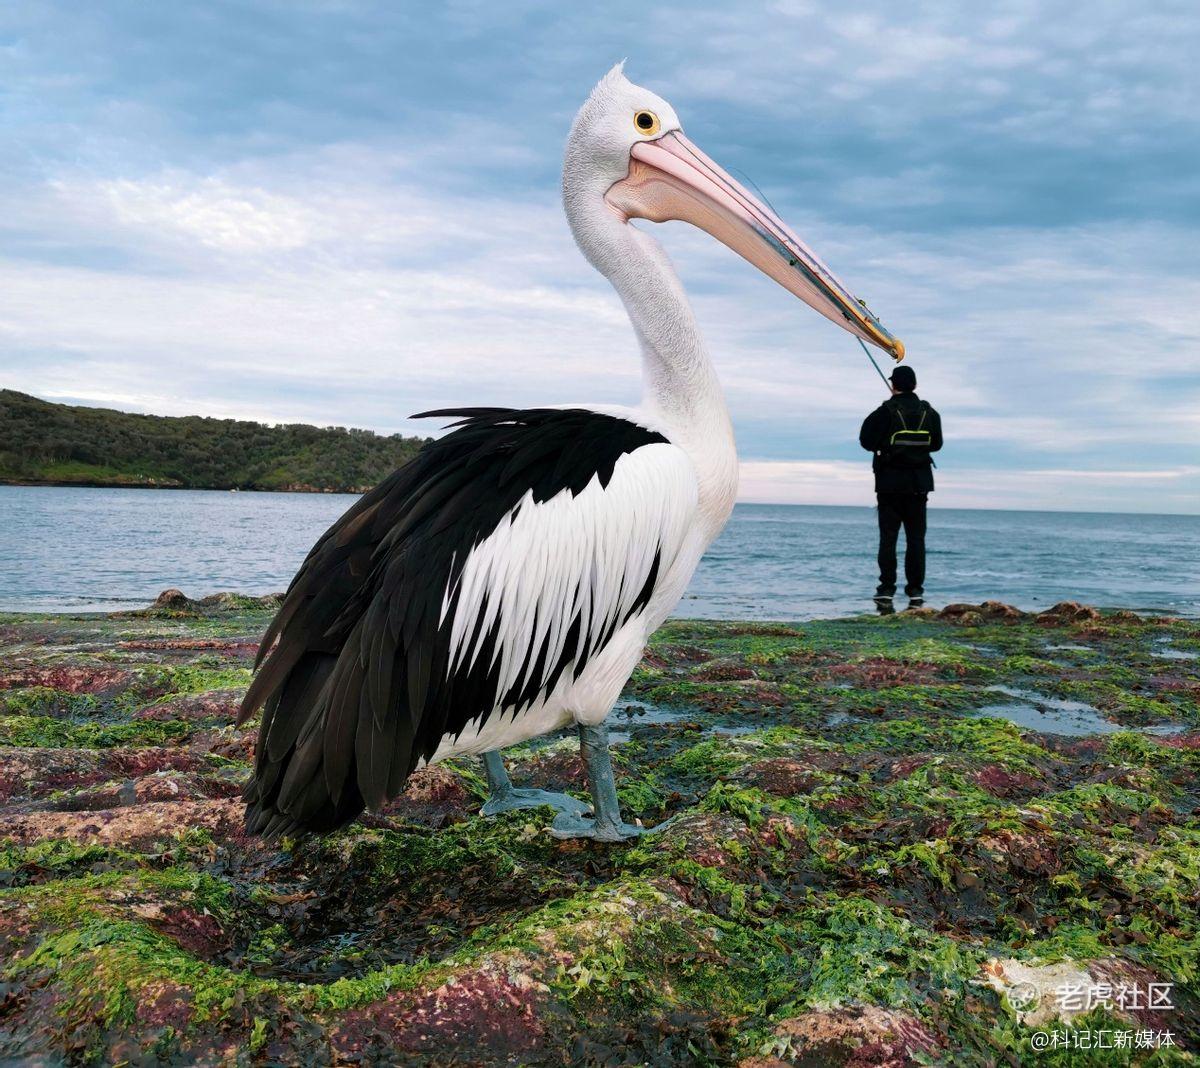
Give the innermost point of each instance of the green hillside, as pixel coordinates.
(60, 444)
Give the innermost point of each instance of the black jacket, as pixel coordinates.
(895, 472)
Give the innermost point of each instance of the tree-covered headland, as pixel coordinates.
(59, 444)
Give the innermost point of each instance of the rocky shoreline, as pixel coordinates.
(132, 482)
(897, 839)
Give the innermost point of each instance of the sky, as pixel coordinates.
(343, 213)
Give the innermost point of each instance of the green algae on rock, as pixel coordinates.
(865, 856)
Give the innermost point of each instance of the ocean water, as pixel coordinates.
(69, 549)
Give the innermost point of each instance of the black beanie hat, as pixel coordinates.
(904, 378)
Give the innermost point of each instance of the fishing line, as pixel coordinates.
(763, 196)
(754, 185)
(873, 363)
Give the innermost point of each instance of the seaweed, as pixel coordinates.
(851, 855)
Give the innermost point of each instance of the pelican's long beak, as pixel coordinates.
(670, 178)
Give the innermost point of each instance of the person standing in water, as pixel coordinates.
(902, 432)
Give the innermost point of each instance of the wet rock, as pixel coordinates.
(433, 796)
(781, 776)
(959, 613)
(134, 763)
(1045, 994)
(905, 766)
(856, 1037)
(987, 612)
(29, 773)
(234, 602)
(844, 803)
(140, 825)
(65, 678)
(163, 1004)
(159, 786)
(654, 660)
(994, 610)
(1190, 740)
(723, 671)
(434, 936)
(1001, 782)
(1067, 612)
(174, 602)
(1033, 989)
(1087, 747)
(727, 843)
(1025, 852)
(716, 841)
(1144, 997)
(878, 672)
(763, 630)
(173, 599)
(686, 654)
(219, 705)
(560, 769)
(200, 933)
(226, 742)
(487, 1013)
(240, 649)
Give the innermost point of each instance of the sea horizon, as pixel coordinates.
(14, 484)
(79, 549)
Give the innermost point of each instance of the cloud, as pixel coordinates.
(345, 212)
(212, 213)
(1163, 490)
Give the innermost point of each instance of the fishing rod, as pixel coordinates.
(763, 197)
(866, 350)
(873, 363)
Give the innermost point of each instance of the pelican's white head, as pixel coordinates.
(616, 116)
(627, 158)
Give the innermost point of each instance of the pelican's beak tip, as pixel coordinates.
(897, 350)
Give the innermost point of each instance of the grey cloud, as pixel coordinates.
(342, 212)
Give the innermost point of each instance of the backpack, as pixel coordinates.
(908, 446)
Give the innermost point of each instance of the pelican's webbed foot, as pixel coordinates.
(504, 797)
(566, 826)
(606, 825)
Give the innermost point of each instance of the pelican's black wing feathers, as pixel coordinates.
(360, 676)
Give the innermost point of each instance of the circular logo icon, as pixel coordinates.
(1023, 996)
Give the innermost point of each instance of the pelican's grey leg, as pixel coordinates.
(607, 826)
(504, 797)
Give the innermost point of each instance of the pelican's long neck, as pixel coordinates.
(679, 382)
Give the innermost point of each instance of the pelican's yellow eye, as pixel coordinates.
(646, 123)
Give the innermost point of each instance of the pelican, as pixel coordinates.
(503, 583)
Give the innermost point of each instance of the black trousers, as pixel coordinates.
(898, 510)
